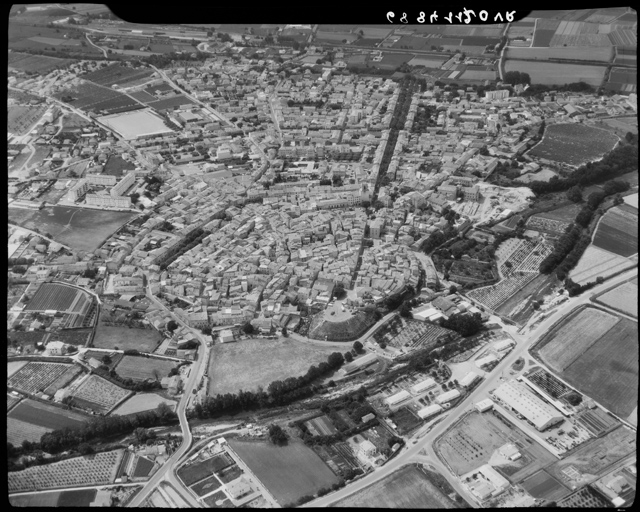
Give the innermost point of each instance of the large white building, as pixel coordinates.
(448, 396)
(124, 184)
(429, 410)
(424, 385)
(398, 398)
(522, 400)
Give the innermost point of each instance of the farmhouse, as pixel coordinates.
(524, 402)
(55, 348)
(238, 488)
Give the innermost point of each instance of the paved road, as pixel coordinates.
(411, 451)
(166, 472)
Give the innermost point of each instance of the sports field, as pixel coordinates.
(142, 402)
(288, 472)
(138, 123)
(406, 488)
(575, 336)
(81, 229)
(268, 360)
(143, 368)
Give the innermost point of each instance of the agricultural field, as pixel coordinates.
(116, 166)
(618, 231)
(575, 336)
(585, 497)
(143, 467)
(405, 420)
(198, 471)
(19, 431)
(553, 73)
(608, 370)
(407, 488)
(94, 98)
(170, 103)
(475, 439)
(59, 297)
(574, 144)
(78, 337)
(46, 416)
(36, 376)
(142, 340)
(602, 54)
(117, 74)
(623, 297)
(98, 394)
(430, 61)
(543, 486)
(269, 360)
(81, 229)
(288, 472)
(596, 263)
(144, 368)
(20, 119)
(40, 499)
(594, 459)
(97, 469)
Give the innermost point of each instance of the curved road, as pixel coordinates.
(167, 469)
(411, 451)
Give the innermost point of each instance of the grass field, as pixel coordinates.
(81, 229)
(575, 336)
(143, 368)
(137, 123)
(41, 499)
(19, 431)
(79, 498)
(623, 298)
(618, 232)
(142, 402)
(199, 470)
(573, 144)
(143, 340)
(406, 488)
(543, 486)
(553, 73)
(603, 54)
(288, 472)
(206, 486)
(474, 440)
(608, 370)
(564, 214)
(268, 360)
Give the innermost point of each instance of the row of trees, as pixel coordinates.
(100, 428)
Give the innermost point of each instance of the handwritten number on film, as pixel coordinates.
(466, 14)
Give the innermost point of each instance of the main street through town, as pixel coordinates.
(411, 451)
